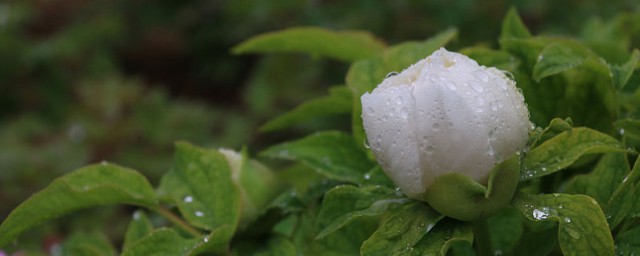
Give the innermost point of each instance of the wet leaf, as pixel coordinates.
(397, 235)
(338, 102)
(564, 149)
(92, 185)
(332, 154)
(344, 204)
(341, 45)
(582, 226)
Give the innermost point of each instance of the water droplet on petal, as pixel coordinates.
(404, 113)
(480, 74)
(478, 87)
(370, 111)
(450, 85)
(494, 105)
(429, 149)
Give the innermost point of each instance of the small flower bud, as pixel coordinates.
(444, 114)
(258, 186)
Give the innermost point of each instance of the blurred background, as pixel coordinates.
(87, 81)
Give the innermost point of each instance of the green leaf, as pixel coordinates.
(623, 199)
(163, 241)
(278, 246)
(89, 244)
(376, 176)
(346, 203)
(505, 229)
(603, 180)
(139, 227)
(628, 127)
(513, 27)
(492, 58)
(338, 102)
(401, 231)
(558, 57)
(628, 243)
(343, 45)
(474, 201)
(332, 154)
(92, 185)
(582, 227)
(442, 237)
(364, 75)
(620, 74)
(537, 242)
(346, 241)
(564, 149)
(200, 184)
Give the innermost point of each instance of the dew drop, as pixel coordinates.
(136, 215)
(392, 74)
(494, 105)
(540, 214)
(451, 85)
(199, 214)
(367, 176)
(398, 192)
(621, 131)
(206, 239)
(480, 74)
(429, 149)
(370, 111)
(188, 199)
(104, 163)
(567, 220)
(404, 113)
(478, 87)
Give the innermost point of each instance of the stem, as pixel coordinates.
(177, 220)
(482, 238)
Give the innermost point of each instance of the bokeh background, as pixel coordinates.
(120, 80)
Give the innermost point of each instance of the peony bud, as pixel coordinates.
(258, 186)
(444, 114)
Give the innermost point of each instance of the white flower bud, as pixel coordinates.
(441, 115)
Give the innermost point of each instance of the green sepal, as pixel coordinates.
(460, 197)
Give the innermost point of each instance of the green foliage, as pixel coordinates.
(346, 46)
(564, 149)
(582, 227)
(196, 182)
(89, 186)
(406, 226)
(338, 102)
(339, 202)
(333, 154)
(95, 244)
